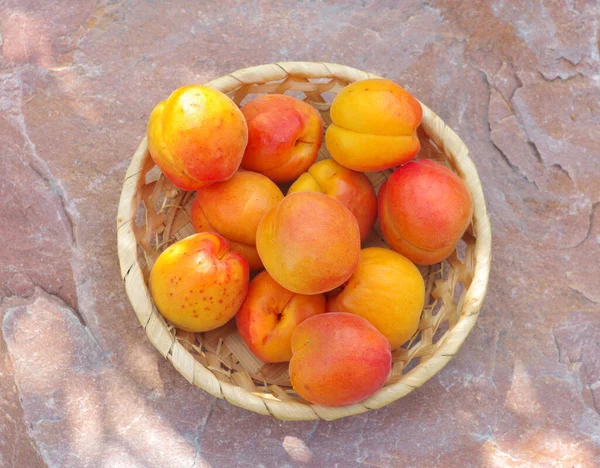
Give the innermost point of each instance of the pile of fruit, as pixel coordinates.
(334, 311)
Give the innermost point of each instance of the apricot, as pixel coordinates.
(198, 283)
(197, 136)
(284, 136)
(338, 359)
(269, 315)
(388, 290)
(352, 189)
(374, 126)
(233, 209)
(309, 243)
(424, 210)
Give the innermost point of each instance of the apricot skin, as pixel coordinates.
(374, 126)
(284, 136)
(197, 136)
(269, 315)
(309, 243)
(352, 189)
(198, 283)
(338, 359)
(388, 290)
(233, 208)
(424, 210)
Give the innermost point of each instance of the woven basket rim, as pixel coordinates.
(131, 272)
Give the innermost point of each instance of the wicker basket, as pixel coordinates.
(153, 213)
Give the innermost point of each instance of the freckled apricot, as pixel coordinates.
(209, 260)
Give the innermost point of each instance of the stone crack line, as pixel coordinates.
(589, 230)
(202, 428)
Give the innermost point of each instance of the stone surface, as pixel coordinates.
(81, 386)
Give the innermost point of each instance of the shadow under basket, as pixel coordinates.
(153, 214)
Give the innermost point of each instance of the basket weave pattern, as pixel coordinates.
(153, 214)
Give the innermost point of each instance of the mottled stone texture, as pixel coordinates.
(81, 386)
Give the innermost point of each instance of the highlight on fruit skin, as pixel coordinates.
(374, 126)
(233, 208)
(351, 188)
(269, 315)
(338, 359)
(386, 289)
(198, 283)
(284, 136)
(424, 210)
(197, 136)
(309, 243)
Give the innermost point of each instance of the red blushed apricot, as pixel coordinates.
(424, 210)
(338, 359)
(269, 315)
(197, 136)
(198, 283)
(352, 189)
(233, 208)
(309, 243)
(284, 136)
